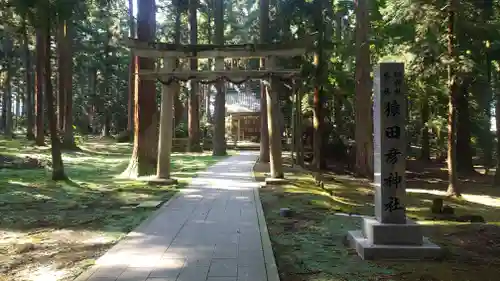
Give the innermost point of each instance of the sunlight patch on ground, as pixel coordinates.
(236, 174)
(46, 273)
(478, 199)
(52, 230)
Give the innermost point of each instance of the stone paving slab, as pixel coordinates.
(210, 231)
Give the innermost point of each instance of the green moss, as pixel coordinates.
(310, 245)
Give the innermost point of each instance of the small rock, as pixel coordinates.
(285, 212)
(23, 248)
(448, 210)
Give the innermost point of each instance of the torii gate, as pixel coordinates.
(168, 74)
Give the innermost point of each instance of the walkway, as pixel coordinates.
(208, 232)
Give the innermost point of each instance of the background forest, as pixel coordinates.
(90, 66)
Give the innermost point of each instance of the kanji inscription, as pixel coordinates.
(390, 142)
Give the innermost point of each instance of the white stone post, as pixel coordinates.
(389, 120)
(390, 234)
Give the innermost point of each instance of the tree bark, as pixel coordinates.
(28, 103)
(61, 66)
(464, 158)
(132, 79)
(363, 115)
(57, 163)
(264, 35)
(144, 155)
(453, 189)
(338, 102)
(497, 123)
(194, 107)
(39, 118)
(425, 154)
(318, 98)
(178, 106)
(66, 84)
(219, 138)
(7, 98)
(105, 88)
(69, 140)
(273, 108)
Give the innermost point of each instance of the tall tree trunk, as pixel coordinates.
(39, 118)
(61, 66)
(8, 101)
(497, 123)
(105, 87)
(7, 98)
(338, 102)
(28, 103)
(93, 99)
(132, 82)
(425, 154)
(364, 121)
(18, 105)
(319, 160)
(453, 189)
(143, 161)
(219, 138)
(178, 106)
(464, 158)
(194, 106)
(7, 94)
(57, 163)
(210, 65)
(68, 139)
(264, 38)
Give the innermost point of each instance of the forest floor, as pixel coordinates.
(311, 246)
(52, 231)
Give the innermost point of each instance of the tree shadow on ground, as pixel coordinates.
(94, 203)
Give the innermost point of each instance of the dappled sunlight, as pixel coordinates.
(224, 184)
(346, 201)
(49, 272)
(232, 174)
(25, 184)
(47, 225)
(478, 199)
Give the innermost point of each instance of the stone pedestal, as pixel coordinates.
(275, 181)
(390, 235)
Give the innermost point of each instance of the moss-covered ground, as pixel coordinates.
(52, 230)
(311, 245)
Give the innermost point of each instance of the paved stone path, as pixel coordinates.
(208, 232)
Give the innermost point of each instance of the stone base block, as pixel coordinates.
(160, 181)
(368, 251)
(392, 234)
(274, 181)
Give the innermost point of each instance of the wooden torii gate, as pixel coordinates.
(167, 74)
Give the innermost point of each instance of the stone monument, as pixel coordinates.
(390, 235)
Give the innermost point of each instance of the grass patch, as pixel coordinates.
(310, 245)
(57, 229)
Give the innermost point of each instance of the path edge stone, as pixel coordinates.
(269, 260)
(87, 273)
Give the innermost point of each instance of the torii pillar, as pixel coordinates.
(166, 130)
